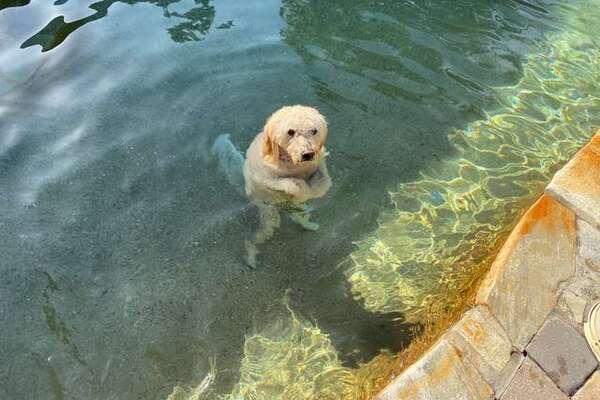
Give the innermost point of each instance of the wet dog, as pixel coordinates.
(284, 168)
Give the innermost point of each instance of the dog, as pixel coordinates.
(284, 168)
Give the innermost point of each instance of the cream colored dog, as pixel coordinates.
(285, 167)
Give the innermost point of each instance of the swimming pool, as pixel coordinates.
(122, 247)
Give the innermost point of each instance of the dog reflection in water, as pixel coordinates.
(284, 168)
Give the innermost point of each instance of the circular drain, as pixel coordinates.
(591, 328)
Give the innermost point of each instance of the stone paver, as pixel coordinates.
(563, 353)
(584, 287)
(577, 184)
(531, 383)
(589, 245)
(591, 389)
(480, 338)
(507, 375)
(442, 374)
(538, 255)
(571, 307)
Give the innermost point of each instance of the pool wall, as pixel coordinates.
(523, 338)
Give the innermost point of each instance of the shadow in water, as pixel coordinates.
(195, 26)
(408, 50)
(13, 3)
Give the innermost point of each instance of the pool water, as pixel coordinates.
(122, 247)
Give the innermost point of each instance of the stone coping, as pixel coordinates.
(523, 339)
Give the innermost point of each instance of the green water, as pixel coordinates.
(449, 223)
(122, 271)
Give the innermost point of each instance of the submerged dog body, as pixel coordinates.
(285, 164)
(284, 168)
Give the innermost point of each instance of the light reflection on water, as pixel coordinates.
(121, 246)
(449, 224)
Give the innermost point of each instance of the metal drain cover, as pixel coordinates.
(591, 328)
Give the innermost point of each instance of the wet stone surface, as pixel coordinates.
(481, 340)
(577, 184)
(523, 284)
(441, 374)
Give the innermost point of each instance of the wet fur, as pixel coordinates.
(274, 174)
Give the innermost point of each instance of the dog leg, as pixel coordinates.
(230, 161)
(251, 253)
(269, 221)
(302, 218)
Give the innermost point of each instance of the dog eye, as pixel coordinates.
(291, 132)
(313, 131)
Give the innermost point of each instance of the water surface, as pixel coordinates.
(122, 247)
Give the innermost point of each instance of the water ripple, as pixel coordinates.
(446, 227)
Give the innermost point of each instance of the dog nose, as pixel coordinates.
(308, 156)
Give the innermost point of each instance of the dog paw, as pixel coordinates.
(251, 253)
(302, 219)
(310, 226)
(296, 187)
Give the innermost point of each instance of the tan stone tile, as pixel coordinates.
(522, 286)
(577, 184)
(530, 383)
(584, 287)
(571, 307)
(442, 374)
(589, 245)
(586, 282)
(590, 390)
(480, 338)
(508, 373)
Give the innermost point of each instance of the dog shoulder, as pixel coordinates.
(255, 165)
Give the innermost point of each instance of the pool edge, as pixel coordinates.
(546, 270)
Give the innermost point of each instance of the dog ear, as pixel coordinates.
(270, 148)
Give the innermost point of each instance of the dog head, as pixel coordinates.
(294, 134)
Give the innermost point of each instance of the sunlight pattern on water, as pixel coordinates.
(292, 359)
(443, 232)
(445, 228)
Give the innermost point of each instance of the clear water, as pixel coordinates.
(121, 247)
(423, 259)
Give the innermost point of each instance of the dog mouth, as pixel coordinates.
(302, 158)
(296, 159)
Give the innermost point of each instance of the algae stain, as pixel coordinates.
(58, 389)
(54, 322)
(52, 285)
